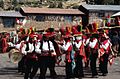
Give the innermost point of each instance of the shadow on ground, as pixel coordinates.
(13, 72)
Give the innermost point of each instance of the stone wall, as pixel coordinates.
(99, 17)
(37, 25)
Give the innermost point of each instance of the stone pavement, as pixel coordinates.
(8, 70)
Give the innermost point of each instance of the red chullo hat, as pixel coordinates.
(76, 32)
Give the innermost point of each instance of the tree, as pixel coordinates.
(52, 5)
(1, 2)
(99, 2)
(116, 2)
(14, 2)
(60, 5)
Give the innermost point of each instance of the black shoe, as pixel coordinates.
(78, 76)
(20, 73)
(95, 76)
(81, 76)
(104, 74)
(67, 78)
(53, 76)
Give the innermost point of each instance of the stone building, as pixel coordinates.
(98, 13)
(8, 20)
(43, 18)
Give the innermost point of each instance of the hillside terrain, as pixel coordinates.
(16, 4)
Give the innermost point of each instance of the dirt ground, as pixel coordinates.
(8, 70)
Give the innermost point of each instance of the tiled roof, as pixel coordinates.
(102, 7)
(10, 14)
(51, 11)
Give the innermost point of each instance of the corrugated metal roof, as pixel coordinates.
(102, 7)
(10, 14)
(116, 14)
(51, 11)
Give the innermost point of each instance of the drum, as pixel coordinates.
(15, 56)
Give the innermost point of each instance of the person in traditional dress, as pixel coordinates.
(104, 55)
(4, 44)
(21, 63)
(46, 52)
(67, 48)
(87, 49)
(93, 44)
(56, 58)
(28, 49)
(79, 55)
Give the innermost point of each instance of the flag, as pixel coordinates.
(24, 21)
(17, 21)
(21, 22)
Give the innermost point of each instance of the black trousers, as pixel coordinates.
(44, 63)
(93, 60)
(103, 66)
(52, 67)
(78, 71)
(21, 65)
(87, 54)
(31, 68)
(68, 70)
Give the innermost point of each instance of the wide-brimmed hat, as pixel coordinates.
(67, 35)
(78, 34)
(46, 34)
(94, 35)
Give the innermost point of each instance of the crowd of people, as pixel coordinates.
(42, 51)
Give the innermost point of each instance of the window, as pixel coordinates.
(40, 18)
(101, 14)
(8, 22)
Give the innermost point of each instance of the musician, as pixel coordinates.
(79, 50)
(106, 45)
(21, 63)
(86, 41)
(53, 73)
(93, 44)
(67, 48)
(31, 58)
(46, 53)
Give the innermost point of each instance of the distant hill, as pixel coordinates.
(16, 4)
